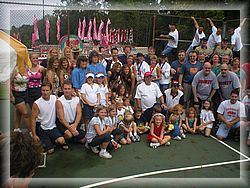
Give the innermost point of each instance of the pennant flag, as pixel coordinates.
(89, 30)
(58, 23)
(95, 32)
(110, 35)
(107, 28)
(124, 35)
(118, 36)
(100, 30)
(12, 53)
(36, 29)
(131, 36)
(33, 40)
(47, 27)
(83, 29)
(79, 28)
(16, 35)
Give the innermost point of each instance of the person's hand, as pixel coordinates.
(208, 19)
(36, 138)
(164, 106)
(181, 88)
(12, 99)
(196, 99)
(192, 17)
(173, 71)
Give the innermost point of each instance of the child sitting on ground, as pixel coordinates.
(156, 136)
(141, 123)
(191, 120)
(207, 118)
(177, 132)
(127, 106)
(129, 127)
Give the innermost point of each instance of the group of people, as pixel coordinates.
(106, 99)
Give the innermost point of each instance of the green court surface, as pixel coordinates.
(139, 159)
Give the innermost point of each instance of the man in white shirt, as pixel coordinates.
(214, 39)
(229, 113)
(173, 37)
(141, 67)
(69, 113)
(43, 120)
(147, 94)
(236, 43)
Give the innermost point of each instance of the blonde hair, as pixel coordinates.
(177, 108)
(111, 107)
(191, 109)
(99, 108)
(128, 117)
(158, 115)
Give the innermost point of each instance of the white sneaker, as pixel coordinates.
(177, 138)
(105, 155)
(17, 130)
(87, 145)
(154, 145)
(183, 135)
(167, 144)
(94, 149)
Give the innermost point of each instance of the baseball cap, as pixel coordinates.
(147, 74)
(99, 75)
(90, 74)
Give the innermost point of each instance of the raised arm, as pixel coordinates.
(195, 22)
(242, 22)
(211, 22)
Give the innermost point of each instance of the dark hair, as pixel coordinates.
(25, 155)
(112, 49)
(181, 51)
(210, 107)
(137, 109)
(91, 55)
(46, 83)
(80, 59)
(193, 51)
(67, 82)
(51, 61)
(157, 108)
(235, 91)
(101, 47)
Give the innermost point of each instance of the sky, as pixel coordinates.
(17, 15)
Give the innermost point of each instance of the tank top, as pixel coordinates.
(19, 83)
(35, 79)
(153, 72)
(69, 108)
(47, 115)
(157, 130)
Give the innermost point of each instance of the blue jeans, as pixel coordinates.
(167, 50)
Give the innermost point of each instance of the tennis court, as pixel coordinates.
(196, 156)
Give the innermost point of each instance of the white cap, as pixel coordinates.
(90, 74)
(100, 74)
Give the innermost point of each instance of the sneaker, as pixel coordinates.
(133, 139)
(87, 145)
(94, 149)
(137, 137)
(154, 145)
(167, 144)
(105, 155)
(177, 138)
(18, 130)
(183, 135)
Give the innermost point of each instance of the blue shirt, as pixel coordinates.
(189, 71)
(98, 68)
(177, 66)
(78, 77)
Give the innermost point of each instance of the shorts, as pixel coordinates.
(88, 111)
(99, 139)
(47, 137)
(20, 96)
(223, 131)
(33, 94)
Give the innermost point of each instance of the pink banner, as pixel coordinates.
(100, 30)
(33, 40)
(58, 23)
(47, 27)
(36, 29)
(95, 32)
(83, 29)
(107, 28)
(89, 30)
(79, 28)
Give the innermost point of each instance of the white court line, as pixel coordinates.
(163, 171)
(230, 147)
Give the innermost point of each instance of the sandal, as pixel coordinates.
(65, 146)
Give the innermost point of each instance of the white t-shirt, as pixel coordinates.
(213, 38)
(141, 69)
(148, 94)
(47, 115)
(207, 116)
(91, 92)
(103, 91)
(170, 101)
(91, 132)
(200, 36)
(173, 42)
(165, 72)
(69, 108)
(246, 101)
(236, 40)
(231, 111)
